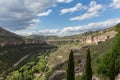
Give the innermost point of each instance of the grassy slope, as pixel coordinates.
(97, 51)
(60, 57)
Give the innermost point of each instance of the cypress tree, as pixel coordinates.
(70, 70)
(88, 69)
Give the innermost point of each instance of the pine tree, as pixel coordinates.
(88, 69)
(70, 70)
(112, 68)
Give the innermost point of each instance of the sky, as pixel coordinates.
(58, 17)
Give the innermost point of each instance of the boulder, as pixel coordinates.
(58, 75)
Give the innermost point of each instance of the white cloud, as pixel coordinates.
(64, 1)
(77, 7)
(51, 31)
(90, 27)
(115, 4)
(75, 29)
(85, 16)
(34, 21)
(37, 32)
(21, 14)
(94, 6)
(45, 13)
(47, 32)
(92, 11)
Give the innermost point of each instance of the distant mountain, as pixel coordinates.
(9, 37)
(76, 36)
(41, 37)
(5, 35)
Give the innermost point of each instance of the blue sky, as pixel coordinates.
(58, 17)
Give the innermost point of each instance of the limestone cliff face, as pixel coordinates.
(91, 38)
(95, 39)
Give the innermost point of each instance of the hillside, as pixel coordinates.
(14, 49)
(51, 63)
(7, 37)
(58, 60)
(99, 43)
(55, 62)
(92, 37)
(5, 34)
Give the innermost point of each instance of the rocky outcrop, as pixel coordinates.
(58, 75)
(95, 39)
(91, 38)
(118, 77)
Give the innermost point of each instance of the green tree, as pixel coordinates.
(103, 65)
(112, 68)
(70, 70)
(116, 48)
(115, 56)
(88, 69)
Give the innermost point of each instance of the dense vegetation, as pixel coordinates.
(34, 69)
(105, 64)
(27, 72)
(9, 55)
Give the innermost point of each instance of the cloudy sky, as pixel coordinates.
(58, 17)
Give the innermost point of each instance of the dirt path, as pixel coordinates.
(22, 59)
